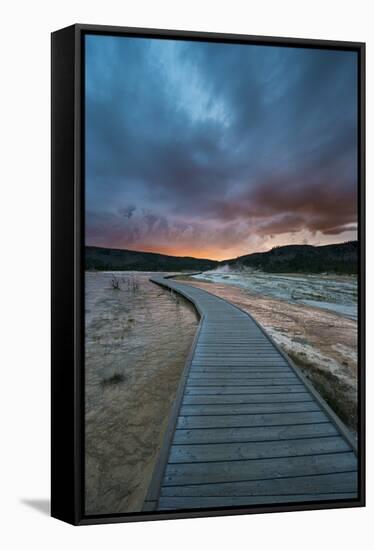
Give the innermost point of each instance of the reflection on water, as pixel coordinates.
(137, 340)
(337, 294)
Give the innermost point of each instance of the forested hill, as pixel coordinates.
(111, 259)
(334, 258)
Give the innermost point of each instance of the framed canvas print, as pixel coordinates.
(207, 274)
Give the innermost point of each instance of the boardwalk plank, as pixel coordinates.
(301, 397)
(218, 472)
(244, 435)
(246, 420)
(186, 503)
(237, 371)
(244, 390)
(344, 482)
(239, 451)
(243, 376)
(248, 408)
(247, 382)
(238, 361)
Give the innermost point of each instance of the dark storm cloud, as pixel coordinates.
(196, 141)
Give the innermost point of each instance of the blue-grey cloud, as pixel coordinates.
(203, 141)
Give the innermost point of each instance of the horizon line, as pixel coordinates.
(210, 259)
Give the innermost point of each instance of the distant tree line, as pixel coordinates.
(335, 258)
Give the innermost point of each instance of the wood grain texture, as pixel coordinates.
(186, 503)
(314, 484)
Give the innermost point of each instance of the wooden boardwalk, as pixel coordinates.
(246, 427)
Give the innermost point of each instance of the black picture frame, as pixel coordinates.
(67, 453)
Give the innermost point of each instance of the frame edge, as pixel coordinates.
(63, 365)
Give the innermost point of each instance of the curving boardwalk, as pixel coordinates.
(246, 427)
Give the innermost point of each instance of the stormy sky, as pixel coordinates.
(218, 150)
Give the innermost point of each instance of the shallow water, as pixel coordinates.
(137, 341)
(337, 294)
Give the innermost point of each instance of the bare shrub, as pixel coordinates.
(115, 378)
(131, 283)
(115, 283)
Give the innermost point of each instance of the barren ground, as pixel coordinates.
(137, 341)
